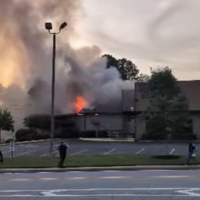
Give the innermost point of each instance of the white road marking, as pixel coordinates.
(88, 178)
(157, 170)
(79, 152)
(31, 151)
(108, 152)
(77, 178)
(100, 189)
(27, 152)
(46, 154)
(21, 179)
(140, 151)
(49, 194)
(75, 172)
(6, 152)
(189, 192)
(127, 192)
(111, 171)
(114, 177)
(48, 179)
(171, 152)
(27, 145)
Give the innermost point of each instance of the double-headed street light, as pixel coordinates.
(48, 26)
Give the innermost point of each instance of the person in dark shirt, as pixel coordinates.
(191, 150)
(1, 157)
(62, 153)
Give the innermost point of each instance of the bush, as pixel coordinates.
(24, 135)
(92, 134)
(175, 136)
(9, 140)
(184, 136)
(67, 133)
(88, 134)
(41, 136)
(153, 136)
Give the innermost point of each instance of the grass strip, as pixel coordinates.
(93, 161)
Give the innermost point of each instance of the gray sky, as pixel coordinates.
(150, 32)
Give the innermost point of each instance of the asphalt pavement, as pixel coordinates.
(77, 147)
(104, 185)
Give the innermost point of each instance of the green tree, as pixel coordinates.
(167, 113)
(2, 91)
(143, 78)
(6, 121)
(127, 69)
(40, 126)
(37, 121)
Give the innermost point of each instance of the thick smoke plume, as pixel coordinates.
(26, 50)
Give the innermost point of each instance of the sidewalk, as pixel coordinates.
(86, 169)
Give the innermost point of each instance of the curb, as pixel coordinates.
(88, 169)
(106, 140)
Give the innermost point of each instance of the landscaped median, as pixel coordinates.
(95, 161)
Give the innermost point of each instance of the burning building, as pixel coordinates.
(124, 116)
(104, 118)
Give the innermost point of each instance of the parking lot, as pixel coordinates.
(77, 147)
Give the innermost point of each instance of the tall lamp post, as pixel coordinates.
(48, 26)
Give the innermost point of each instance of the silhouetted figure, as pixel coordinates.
(1, 158)
(63, 153)
(191, 150)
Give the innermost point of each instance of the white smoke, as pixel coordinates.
(28, 61)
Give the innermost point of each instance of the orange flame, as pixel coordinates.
(80, 103)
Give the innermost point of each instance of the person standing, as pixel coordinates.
(1, 158)
(63, 153)
(191, 150)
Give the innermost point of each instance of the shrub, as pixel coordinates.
(67, 133)
(24, 135)
(175, 136)
(153, 136)
(9, 140)
(88, 134)
(184, 136)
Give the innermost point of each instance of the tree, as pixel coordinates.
(37, 121)
(6, 121)
(167, 113)
(126, 68)
(111, 61)
(143, 78)
(2, 91)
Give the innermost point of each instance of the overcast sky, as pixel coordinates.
(150, 32)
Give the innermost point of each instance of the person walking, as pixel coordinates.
(191, 150)
(63, 153)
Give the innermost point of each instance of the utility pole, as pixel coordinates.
(49, 27)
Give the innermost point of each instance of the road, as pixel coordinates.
(92, 148)
(105, 185)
